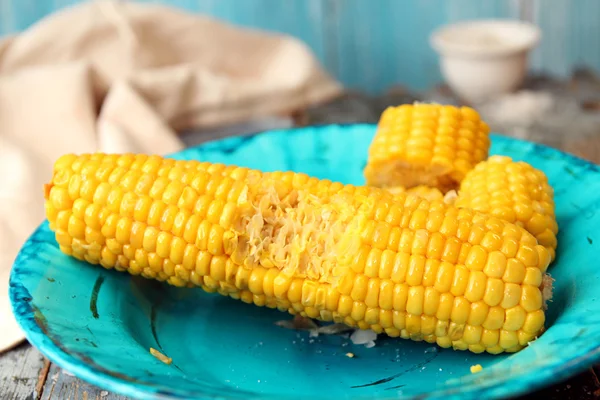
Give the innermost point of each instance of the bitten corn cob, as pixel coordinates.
(515, 192)
(426, 144)
(397, 264)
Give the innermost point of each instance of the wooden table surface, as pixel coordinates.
(570, 121)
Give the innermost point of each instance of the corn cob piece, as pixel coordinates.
(396, 264)
(426, 144)
(515, 192)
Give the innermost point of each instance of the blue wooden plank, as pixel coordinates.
(386, 42)
(584, 38)
(373, 44)
(7, 20)
(552, 16)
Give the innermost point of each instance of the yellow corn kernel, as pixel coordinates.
(476, 286)
(413, 324)
(177, 250)
(372, 297)
(455, 331)
(478, 314)
(496, 264)
(358, 311)
(445, 277)
(476, 368)
(400, 296)
(416, 269)
(76, 227)
(387, 264)
(461, 280)
(414, 304)
(525, 338)
(445, 308)
(431, 301)
(494, 292)
(423, 191)
(515, 272)
(255, 283)
(401, 262)
(295, 291)
(495, 349)
(512, 295)
(460, 310)
(472, 334)
(202, 268)
(444, 341)
(514, 319)
(478, 259)
(494, 319)
(359, 289)
(490, 338)
(309, 293)
(531, 298)
(508, 339)
(373, 263)
(136, 238)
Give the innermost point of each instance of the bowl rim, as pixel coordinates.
(529, 36)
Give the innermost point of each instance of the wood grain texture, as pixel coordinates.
(19, 372)
(62, 385)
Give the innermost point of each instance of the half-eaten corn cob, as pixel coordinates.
(397, 264)
(515, 192)
(426, 144)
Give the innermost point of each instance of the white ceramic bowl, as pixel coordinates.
(484, 58)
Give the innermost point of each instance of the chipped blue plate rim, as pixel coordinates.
(99, 324)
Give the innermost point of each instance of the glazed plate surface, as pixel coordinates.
(100, 324)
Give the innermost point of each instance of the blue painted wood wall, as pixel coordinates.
(374, 44)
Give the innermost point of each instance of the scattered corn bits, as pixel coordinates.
(160, 356)
(476, 368)
(426, 144)
(399, 264)
(350, 355)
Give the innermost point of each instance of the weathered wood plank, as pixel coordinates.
(19, 372)
(62, 385)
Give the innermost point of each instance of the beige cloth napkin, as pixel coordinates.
(120, 77)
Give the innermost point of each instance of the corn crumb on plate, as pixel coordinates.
(101, 325)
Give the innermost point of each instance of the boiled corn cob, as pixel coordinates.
(397, 264)
(426, 144)
(515, 192)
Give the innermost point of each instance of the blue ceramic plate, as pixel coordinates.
(100, 324)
